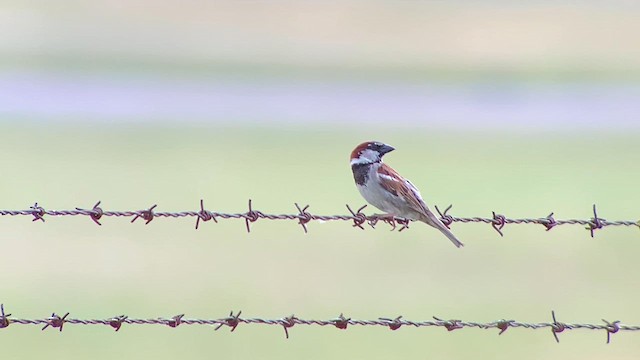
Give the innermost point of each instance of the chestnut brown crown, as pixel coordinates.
(370, 151)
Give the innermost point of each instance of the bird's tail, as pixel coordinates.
(432, 220)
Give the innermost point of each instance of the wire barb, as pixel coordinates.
(287, 323)
(612, 328)
(549, 222)
(175, 321)
(204, 215)
(55, 321)
(596, 222)
(95, 213)
(358, 217)
(4, 318)
(556, 327)
(498, 222)
(404, 222)
(394, 324)
(450, 324)
(341, 322)
(38, 212)
(304, 217)
(251, 216)
(146, 215)
(503, 325)
(231, 321)
(445, 218)
(116, 322)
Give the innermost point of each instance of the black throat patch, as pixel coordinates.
(360, 173)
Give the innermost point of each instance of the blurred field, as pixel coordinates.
(166, 267)
(410, 40)
(522, 109)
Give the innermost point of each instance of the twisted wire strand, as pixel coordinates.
(303, 217)
(341, 322)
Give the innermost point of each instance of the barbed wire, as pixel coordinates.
(341, 322)
(303, 217)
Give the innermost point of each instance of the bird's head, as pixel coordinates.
(369, 152)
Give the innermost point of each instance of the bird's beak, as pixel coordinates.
(386, 149)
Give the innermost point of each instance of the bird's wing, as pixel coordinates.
(393, 182)
(403, 188)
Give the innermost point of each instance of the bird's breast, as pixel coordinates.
(376, 195)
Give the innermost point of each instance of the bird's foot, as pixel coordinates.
(391, 220)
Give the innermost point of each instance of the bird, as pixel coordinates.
(384, 188)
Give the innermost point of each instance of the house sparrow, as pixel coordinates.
(385, 189)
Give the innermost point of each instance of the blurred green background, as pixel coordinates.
(522, 109)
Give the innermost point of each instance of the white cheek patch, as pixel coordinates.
(366, 157)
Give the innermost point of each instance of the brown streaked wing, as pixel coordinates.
(401, 187)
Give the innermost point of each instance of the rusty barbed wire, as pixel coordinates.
(303, 217)
(232, 321)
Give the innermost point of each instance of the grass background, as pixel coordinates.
(65, 150)
(166, 267)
